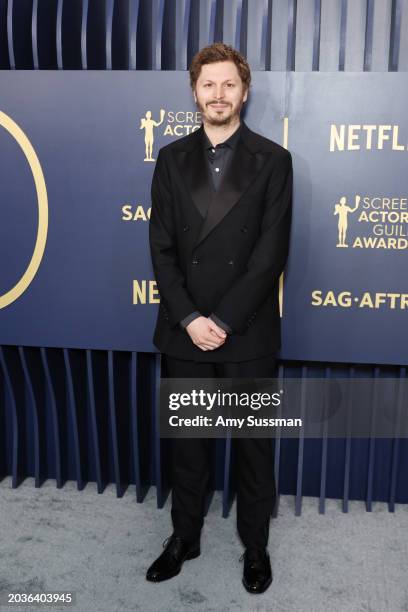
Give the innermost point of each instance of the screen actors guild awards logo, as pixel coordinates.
(342, 210)
(148, 124)
(381, 223)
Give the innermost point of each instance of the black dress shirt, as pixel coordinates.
(218, 158)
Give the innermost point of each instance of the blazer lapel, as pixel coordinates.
(245, 164)
(194, 171)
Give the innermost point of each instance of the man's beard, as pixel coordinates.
(219, 120)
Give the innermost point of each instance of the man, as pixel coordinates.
(219, 237)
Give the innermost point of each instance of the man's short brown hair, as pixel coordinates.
(219, 52)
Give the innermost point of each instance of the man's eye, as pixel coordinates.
(230, 84)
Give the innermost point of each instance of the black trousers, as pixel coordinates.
(256, 491)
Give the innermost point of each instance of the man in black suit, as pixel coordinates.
(219, 238)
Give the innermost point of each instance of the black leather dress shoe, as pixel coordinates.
(257, 570)
(169, 563)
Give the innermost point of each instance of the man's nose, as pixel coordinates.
(219, 93)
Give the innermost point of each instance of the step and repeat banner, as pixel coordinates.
(77, 154)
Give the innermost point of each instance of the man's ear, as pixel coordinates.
(245, 98)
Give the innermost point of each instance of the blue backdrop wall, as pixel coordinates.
(89, 414)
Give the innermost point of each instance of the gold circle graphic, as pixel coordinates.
(35, 167)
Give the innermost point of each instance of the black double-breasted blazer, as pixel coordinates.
(220, 252)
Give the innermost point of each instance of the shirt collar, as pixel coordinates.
(230, 142)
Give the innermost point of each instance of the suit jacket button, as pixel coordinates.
(231, 262)
(194, 261)
(186, 228)
(244, 229)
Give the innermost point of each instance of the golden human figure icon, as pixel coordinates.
(148, 124)
(342, 210)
